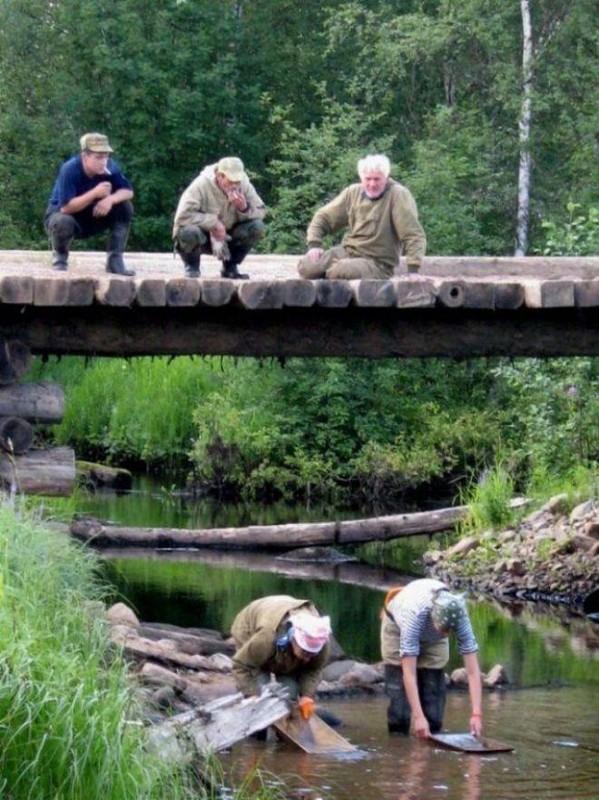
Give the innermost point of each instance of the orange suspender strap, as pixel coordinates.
(393, 592)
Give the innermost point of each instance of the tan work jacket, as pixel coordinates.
(256, 630)
(204, 203)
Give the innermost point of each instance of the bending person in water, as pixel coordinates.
(416, 623)
(285, 637)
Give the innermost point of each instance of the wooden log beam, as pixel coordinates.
(37, 401)
(16, 435)
(276, 537)
(215, 726)
(15, 360)
(103, 476)
(273, 537)
(469, 306)
(140, 648)
(413, 332)
(48, 472)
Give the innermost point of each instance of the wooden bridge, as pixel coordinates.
(470, 306)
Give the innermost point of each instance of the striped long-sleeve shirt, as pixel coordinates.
(408, 628)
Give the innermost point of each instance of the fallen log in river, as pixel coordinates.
(273, 537)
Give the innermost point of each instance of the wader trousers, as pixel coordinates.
(432, 690)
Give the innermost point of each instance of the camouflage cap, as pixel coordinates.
(95, 143)
(448, 610)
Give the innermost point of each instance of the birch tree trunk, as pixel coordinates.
(524, 125)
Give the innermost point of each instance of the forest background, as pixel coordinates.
(461, 94)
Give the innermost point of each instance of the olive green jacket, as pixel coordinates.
(256, 629)
(380, 229)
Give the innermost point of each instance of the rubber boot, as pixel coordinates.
(61, 245)
(230, 270)
(191, 261)
(60, 260)
(398, 712)
(116, 246)
(432, 689)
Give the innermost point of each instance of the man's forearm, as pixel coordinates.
(120, 196)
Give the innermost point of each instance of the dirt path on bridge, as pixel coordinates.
(281, 267)
(146, 265)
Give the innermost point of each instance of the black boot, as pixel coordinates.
(116, 246)
(230, 270)
(60, 260)
(61, 244)
(191, 260)
(398, 711)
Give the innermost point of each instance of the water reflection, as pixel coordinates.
(533, 643)
(554, 730)
(404, 768)
(151, 503)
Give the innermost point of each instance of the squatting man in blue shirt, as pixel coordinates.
(90, 195)
(416, 623)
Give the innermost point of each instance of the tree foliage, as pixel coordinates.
(299, 92)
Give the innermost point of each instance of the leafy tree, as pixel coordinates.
(578, 235)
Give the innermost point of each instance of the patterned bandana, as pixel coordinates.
(448, 610)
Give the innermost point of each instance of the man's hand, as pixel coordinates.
(421, 726)
(306, 706)
(219, 247)
(102, 207)
(315, 253)
(219, 231)
(237, 199)
(476, 725)
(102, 189)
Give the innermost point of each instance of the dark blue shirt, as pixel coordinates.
(72, 181)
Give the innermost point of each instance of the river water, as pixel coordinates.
(549, 713)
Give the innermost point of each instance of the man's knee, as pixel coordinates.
(189, 238)
(248, 233)
(61, 225)
(310, 269)
(123, 212)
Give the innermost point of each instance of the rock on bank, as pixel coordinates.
(551, 555)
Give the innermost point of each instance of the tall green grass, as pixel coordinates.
(489, 501)
(139, 409)
(66, 703)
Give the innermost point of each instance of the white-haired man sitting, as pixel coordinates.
(381, 223)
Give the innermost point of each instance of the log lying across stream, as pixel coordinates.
(272, 537)
(275, 537)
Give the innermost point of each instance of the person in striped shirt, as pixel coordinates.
(416, 623)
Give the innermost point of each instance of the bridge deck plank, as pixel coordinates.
(467, 306)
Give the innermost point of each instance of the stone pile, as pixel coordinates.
(551, 555)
